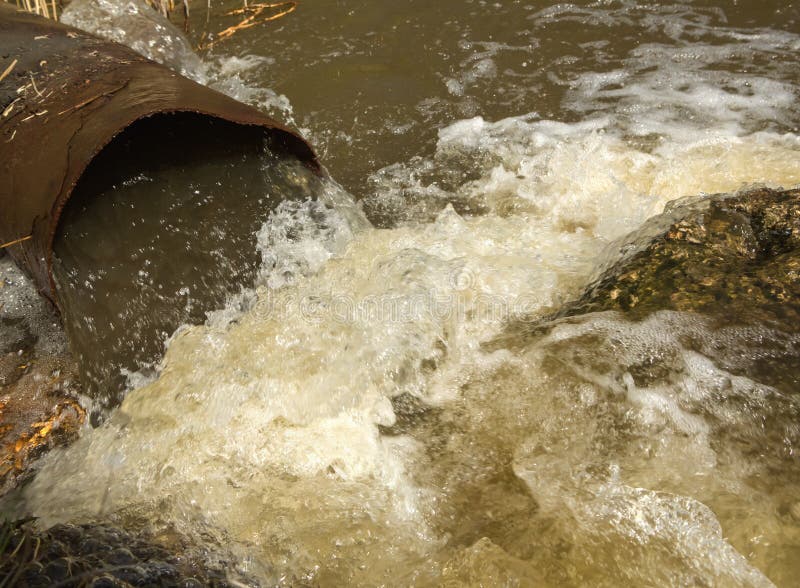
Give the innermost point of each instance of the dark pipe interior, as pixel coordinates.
(160, 230)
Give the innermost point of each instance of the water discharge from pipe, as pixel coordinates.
(160, 230)
(351, 408)
(369, 418)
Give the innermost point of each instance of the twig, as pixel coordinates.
(186, 16)
(35, 89)
(90, 100)
(8, 70)
(254, 11)
(10, 107)
(15, 241)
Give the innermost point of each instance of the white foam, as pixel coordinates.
(572, 175)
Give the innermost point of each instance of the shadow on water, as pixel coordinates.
(161, 229)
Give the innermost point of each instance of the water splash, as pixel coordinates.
(348, 424)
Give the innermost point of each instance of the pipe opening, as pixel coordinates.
(161, 229)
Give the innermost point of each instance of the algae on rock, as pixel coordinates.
(735, 257)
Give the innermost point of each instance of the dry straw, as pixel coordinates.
(15, 241)
(40, 7)
(53, 8)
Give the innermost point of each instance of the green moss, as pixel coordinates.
(733, 257)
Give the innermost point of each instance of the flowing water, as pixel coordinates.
(351, 425)
(150, 241)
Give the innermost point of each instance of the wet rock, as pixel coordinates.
(121, 556)
(38, 379)
(731, 260)
(100, 555)
(733, 257)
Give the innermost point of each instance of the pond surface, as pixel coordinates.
(351, 426)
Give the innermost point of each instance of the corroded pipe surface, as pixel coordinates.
(65, 96)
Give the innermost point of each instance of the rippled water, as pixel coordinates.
(354, 427)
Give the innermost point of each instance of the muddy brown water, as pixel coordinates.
(375, 81)
(349, 426)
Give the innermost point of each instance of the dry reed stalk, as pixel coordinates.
(166, 7)
(7, 70)
(15, 241)
(252, 11)
(39, 7)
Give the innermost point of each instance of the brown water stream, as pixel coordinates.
(351, 426)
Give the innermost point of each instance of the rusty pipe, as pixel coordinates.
(64, 96)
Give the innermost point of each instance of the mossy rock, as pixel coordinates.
(733, 261)
(100, 555)
(734, 257)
